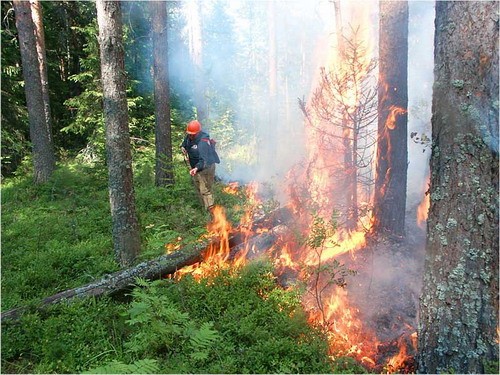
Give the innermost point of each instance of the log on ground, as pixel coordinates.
(154, 269)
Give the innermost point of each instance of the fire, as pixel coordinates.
(394, 111)
(347, 334)
(316, 188)
(402, 360)
(423, 207)
(340, 243)
(231, 188)
(423, 210)
(218, 252)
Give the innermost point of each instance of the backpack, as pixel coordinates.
(213, 154)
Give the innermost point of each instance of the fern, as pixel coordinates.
(143, 366)
(202, 340)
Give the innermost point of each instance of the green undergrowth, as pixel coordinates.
(57, 236)
(233, 321)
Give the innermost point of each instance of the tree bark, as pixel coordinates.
(36, 14)
(164, 173)
(196, 52)
(459, 302)
(126, 237)
(40, 129)
(392, 145)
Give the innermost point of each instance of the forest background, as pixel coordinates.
(63, 225)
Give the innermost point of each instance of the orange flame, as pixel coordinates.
(231, 188)
(217, 253)
(423, 207)
(394, 111)
(398, 362)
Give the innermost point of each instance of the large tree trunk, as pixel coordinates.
(196, 52)
(40, 130)
(164, 173)
(126, 238)
(36, 14)
(459, 302)
(392, 146)
(269, 154)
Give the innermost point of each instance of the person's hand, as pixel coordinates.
(193, 171)
(183, 150)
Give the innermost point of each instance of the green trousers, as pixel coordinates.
(203, 181)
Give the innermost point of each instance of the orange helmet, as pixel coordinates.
(194, 127)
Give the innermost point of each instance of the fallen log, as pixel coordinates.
(115, 282)
(153, 269)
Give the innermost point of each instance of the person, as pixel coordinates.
(202, 159)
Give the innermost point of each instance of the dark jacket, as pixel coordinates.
(199, 151)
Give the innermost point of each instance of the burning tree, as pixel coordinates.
(342, 111)
(389, 203)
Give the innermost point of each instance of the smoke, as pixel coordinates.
(260, 129)
(420, 81)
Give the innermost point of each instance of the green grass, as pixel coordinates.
(57, 236)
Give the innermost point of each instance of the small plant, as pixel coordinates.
(144, 366)
(160, 325)
(323, 275)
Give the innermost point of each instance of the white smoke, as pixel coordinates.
(238, 75)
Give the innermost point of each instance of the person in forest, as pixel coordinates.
(199, 149)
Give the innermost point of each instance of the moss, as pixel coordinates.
(464, 107)
(458, 83)
(481, 219)
(473, 254)
(458, 272)
(451, 223)
(443, 240)
(485, 276)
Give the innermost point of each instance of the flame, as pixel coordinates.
(173, 246)
(338, 244)
(231, 188)
(346, 333)
(394, 111)
(423, 207)
(217, 254)
(399, 362)
(285, 258)
(317, 187)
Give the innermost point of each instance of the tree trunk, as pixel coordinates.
(40, 130)
(164, 173)
(392, 146)
(459, 302)
(36, 14)
(126, 238)
(269, 155)
(196, 51)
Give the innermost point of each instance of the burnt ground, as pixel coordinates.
(386, 290)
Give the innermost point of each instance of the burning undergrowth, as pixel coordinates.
(361, 291)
